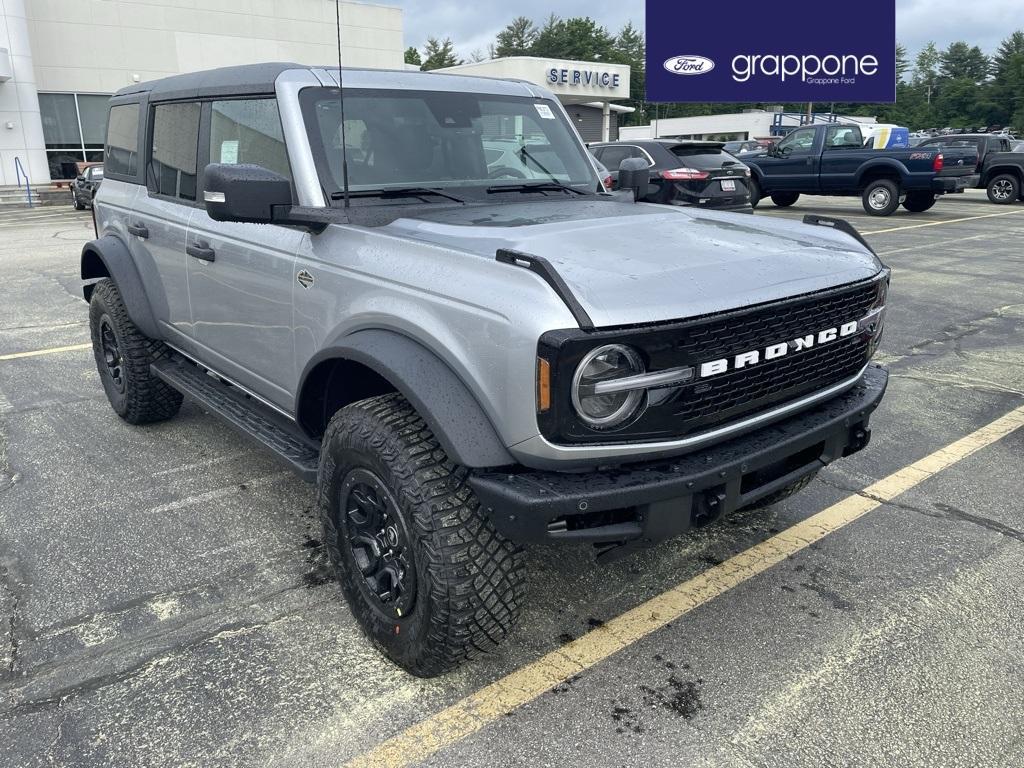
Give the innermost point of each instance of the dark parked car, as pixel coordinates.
(683, 172)
(83, 188)
(1000, 168)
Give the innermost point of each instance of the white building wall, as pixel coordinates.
(756, 125)
(21, 130)
(99, 46)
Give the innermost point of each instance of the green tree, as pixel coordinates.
(439, 54)
(902, 62)
(412, 56)
(577, 38)
(962, 61)
(629, 49)
(517, 38)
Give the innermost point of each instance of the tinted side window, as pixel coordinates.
(613, 156)
(248, 131)
(122, 153)
(172, 165)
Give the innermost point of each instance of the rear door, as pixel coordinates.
(241, 276)
(794, 165)
(612, 155)
(162, 212)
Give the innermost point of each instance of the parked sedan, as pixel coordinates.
(83, 188)
(698, 173)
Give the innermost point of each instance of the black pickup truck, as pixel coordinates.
(831, 159)
(1000, 170)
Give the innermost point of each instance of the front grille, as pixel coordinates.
(734, 395)
(730, 334)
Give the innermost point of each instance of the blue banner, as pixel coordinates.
(797, 50)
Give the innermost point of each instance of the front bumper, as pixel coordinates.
(649, 502)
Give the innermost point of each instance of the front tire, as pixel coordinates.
(881, 197)
(79, 205)
(123, 356)
(1003, 189)
(427, 576)
(785, 199)
(919, 202)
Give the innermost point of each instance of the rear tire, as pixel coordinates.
(1003, 189)
(123, 356)
(783, 493)
(427, 576)
(919, 202)
(755, 192)
(785, 199)
(881, 197)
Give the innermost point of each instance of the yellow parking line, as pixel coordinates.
(489, 704)
(50, 351)
(944, 221)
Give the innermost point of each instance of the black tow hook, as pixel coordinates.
(707, 507)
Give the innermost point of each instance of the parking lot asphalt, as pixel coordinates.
(164, 598)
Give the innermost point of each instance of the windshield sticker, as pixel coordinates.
(545, 111)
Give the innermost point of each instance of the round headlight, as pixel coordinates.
(598, 407)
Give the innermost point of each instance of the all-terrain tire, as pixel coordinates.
(783, 493)
(468, 581)
(919, 202)
(135, 394)
(1003, 189)
(785, 199)
(881, 197)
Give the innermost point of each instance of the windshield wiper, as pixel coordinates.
(396, 192)
(540, 186)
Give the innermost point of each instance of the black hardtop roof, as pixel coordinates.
(245, 78)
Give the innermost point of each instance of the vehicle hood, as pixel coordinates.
(632, 263)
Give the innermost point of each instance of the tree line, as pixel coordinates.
(959, 86)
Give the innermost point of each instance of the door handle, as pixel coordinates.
(200, 250)
(139, 230)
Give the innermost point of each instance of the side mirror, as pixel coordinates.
(634, 174)
(245, 193)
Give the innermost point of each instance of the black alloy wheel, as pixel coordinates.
(111, 353)
(378, 542)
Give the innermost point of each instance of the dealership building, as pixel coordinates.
(61, 59)
(586, 89)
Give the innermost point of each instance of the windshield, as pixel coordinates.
(462, 142)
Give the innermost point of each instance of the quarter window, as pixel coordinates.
(122, 152)
(248, 131)
(172, 166)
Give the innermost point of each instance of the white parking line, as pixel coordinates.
(944, 221)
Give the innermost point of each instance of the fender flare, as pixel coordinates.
(884, 165)
(451, 411)
(109, 257)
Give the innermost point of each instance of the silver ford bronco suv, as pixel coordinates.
(410, 287)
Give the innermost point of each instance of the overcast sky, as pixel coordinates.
(472, 24)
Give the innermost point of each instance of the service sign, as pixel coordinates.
(797, 50)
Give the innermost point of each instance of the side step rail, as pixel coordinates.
(246, 414)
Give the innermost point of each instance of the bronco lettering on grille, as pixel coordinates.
(774, 351)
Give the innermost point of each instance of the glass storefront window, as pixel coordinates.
(74, 128)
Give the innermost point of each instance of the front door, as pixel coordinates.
(794, 163)
(241, 276)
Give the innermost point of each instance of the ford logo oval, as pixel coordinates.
(689, 65)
